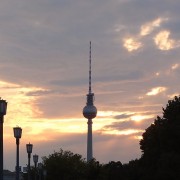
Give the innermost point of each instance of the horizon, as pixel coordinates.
(44, 53)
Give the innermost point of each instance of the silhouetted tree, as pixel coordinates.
(112, 171)
(161, 144)
(93, 169)
(64, 165)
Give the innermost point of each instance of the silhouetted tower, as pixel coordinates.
(89, 112)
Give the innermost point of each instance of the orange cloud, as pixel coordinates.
(175, 66)
(132, 44)
(124, 132)
(150, 26)
(156, 91)
(141, 117)
(163, 41)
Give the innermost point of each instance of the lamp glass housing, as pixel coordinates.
(3, 107)
(29, 148)
(17, 132)
(40, 165)
(35, 158)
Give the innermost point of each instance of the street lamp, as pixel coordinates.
(17, 135)
(29, 151)
(35, 159)
(3, 108)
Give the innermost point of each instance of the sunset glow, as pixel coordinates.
(44, 73)
(124, 132)
(139, 118)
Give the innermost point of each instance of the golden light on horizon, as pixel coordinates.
(112, 113)
(123, 132)
(106, 113)
(22, 111)
(137, 137)
(173, 95)
(139, 118)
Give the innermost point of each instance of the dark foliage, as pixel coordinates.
(161, 144)
(64, 165)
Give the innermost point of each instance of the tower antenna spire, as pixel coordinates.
(90, 68)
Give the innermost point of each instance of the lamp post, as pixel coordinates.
(29, 151)
(40, 170)
(3, 108)
(45, 174)
(35, 159)
(17, 135)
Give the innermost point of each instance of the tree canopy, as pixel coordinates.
(160, 144)
(64, 165)
(163, 135)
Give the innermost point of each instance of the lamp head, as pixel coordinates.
(3, 107)
(35, 158)
(29, 148)
(40, 166)
(17, 132)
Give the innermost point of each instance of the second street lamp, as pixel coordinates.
(29, 151)
(35, 159)
(3, 107)
(17, 135)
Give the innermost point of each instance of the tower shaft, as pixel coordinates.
(89, 141)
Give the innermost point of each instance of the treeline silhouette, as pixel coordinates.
(160, 158)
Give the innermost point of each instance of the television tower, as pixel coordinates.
(89, 113)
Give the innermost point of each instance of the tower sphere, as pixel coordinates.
(89, 111)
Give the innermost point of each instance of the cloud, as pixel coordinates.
(139, 118)
(132, 44)
(171, 96)
(175, 66)
(156, 91)
(122, 116)
(7, 85)
(150, 26)
(125, 132)
(38, 93)
(129, 124)
(163, 41)
(162, 38)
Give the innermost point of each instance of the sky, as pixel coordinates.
(44, 53)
